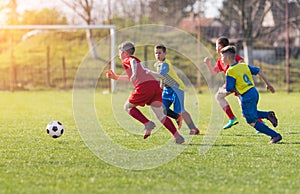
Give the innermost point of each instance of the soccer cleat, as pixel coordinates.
(148, 128)
(231, 123)
(272, 118)
(179, 140)
(194, 131)
(179, 121)
(276, 139)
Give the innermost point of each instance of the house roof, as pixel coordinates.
(190, 24)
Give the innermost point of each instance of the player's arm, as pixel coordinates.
(268, 84)
(133, 64)
(111, 75)
(257, 71)
(155, 74)
(230, 84)
(210, 67)
(162, 73)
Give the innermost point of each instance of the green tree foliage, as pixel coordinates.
(43, 17)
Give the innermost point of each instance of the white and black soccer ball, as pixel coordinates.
(55, 129)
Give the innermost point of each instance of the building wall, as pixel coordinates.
(263, 55)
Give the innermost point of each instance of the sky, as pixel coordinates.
(29, 5)
(211, 6)
(37, 4)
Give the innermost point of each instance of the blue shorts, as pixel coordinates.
(249, 105)
(173, 96)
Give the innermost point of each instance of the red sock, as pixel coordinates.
(229, 112)
(136, 113)
(170, 126)
(260, 120)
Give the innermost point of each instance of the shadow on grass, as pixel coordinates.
(218, 145)
(293, 133)
(231, 134)
(288, 143)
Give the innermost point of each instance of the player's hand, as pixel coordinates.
(269, 87)
(110, 74)
(147, 70)
(207, 60)
(222, 90)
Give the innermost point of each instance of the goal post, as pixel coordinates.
(112, 29)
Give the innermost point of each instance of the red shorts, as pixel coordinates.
(146, 94)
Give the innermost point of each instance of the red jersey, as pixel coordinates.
(141, 74)
(220, 66)
(147, 89)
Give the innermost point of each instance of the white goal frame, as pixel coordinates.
(112, 29)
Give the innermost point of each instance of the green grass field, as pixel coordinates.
(240, 161)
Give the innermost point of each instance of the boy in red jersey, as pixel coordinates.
(221, 67)
(147, 92)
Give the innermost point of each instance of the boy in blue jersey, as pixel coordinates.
(173, 89)
(239, 78)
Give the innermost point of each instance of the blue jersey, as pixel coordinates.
(239, 77)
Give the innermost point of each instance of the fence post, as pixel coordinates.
(287, 47)
(64, 78)
(48, 66)
(13, 72)
(146, 55)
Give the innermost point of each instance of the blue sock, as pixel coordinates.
(262, 114)
(265, 129)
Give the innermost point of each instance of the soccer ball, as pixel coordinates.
(55, 129)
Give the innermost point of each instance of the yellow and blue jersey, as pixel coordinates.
(171, 79)
(239, 77)
(173, 91)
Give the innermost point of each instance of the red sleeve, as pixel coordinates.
(238, 58)
(218, 68)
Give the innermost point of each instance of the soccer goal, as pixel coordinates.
(27, 66)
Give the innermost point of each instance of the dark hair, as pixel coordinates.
(161, 46)
(228, 49)
(128, 47)
(223, 41)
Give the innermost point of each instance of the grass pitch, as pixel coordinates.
(240, 161)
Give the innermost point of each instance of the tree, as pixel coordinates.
(43, 17)
(247, 17)
(134, 11)
(249, 20)
(10, 7)
(169, 11)
(84, 9)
